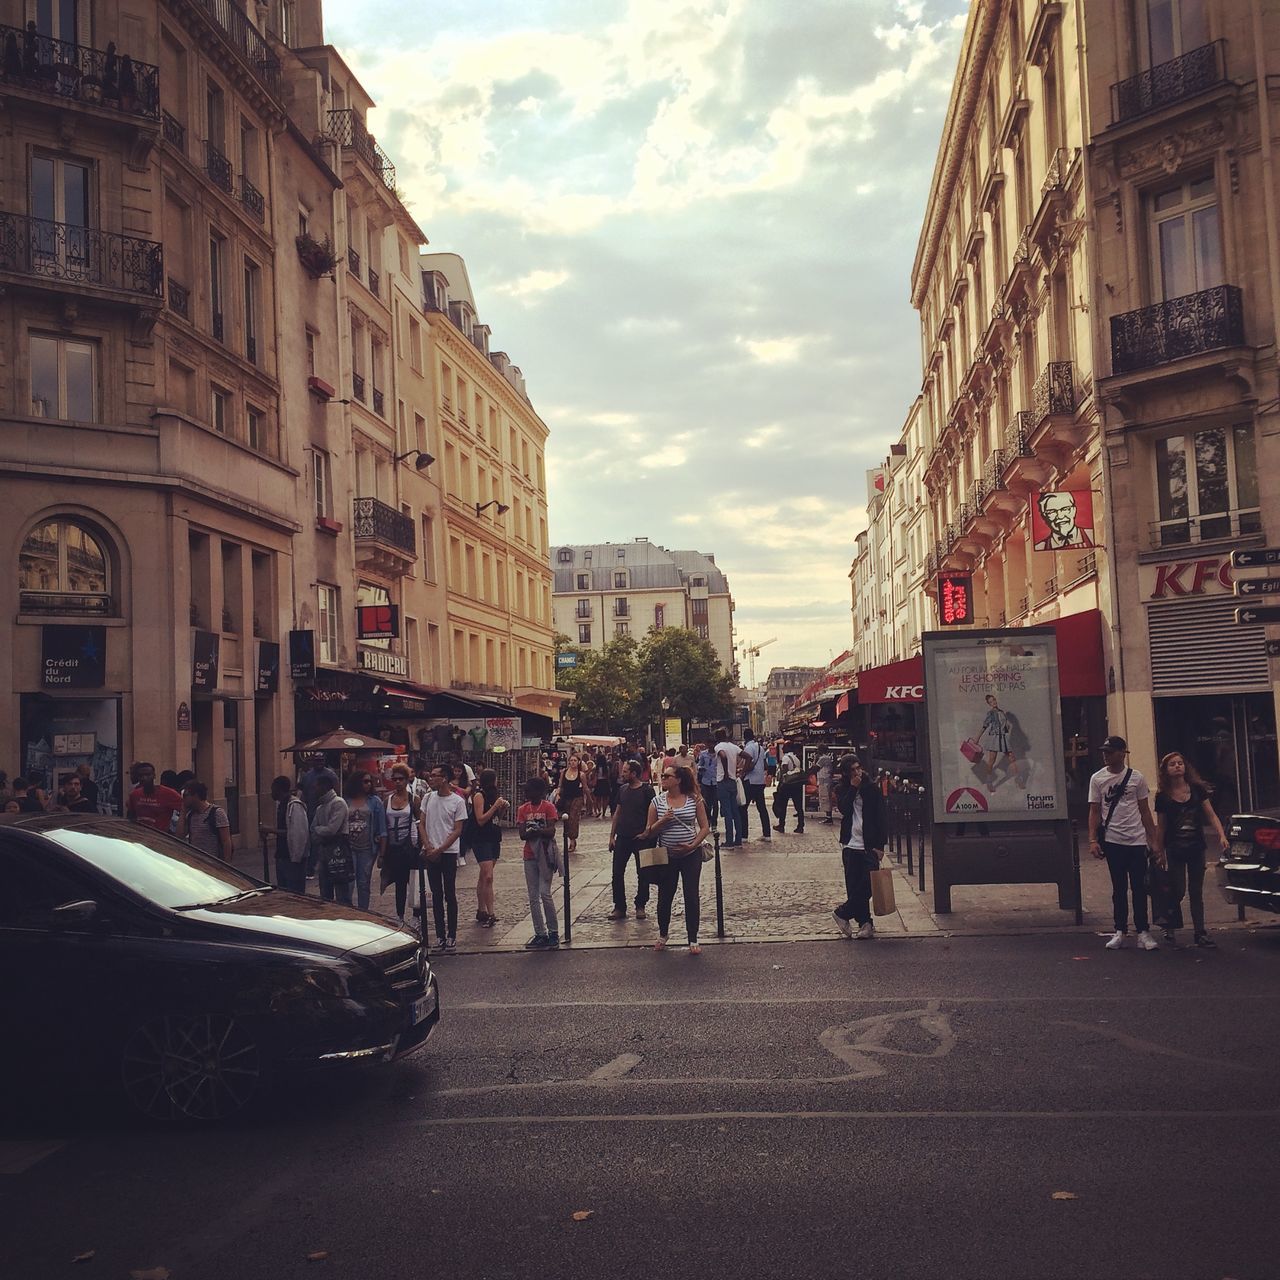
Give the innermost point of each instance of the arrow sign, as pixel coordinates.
(1259, 613)
(1258, 558)
(1273, 648)
(1257, 586)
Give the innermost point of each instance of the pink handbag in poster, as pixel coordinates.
(971, 751)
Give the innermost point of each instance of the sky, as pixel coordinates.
(691, 223)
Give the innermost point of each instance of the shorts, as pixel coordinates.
(487, 852)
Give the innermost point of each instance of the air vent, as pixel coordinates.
(1199, 648)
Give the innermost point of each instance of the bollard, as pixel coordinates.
(910, 851)
(266, 874)
(422, 902)
(719, 888)
(921, 829)
(567, 934)
(1075, 869)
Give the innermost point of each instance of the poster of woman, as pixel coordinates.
(995, 737)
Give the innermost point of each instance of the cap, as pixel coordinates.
(1115, 743)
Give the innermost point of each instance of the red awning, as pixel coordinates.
(842, 705)
(1081, 673)
(896, 682)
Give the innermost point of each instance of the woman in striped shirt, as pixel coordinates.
(678, 818)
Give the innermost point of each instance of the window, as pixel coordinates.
(252, 309)
(620, 580)
(304, 220)
(60, 194)
(584, 633)
(584, 582)
(248, 151)
(584, 608)
(220, 410)
(217, 261)
(322, 484)
(1186, 247)
(415, 345)
(1175, 27)
(659, 616)
(63, 378)
(622, 628)
(620, 609)
(327, 622)
(1207, 484)
(699, 610)
(420, 432)
(62, 568)
(564, 556)
(311, 351)
(701, 629)
(259, 431)
(215, 116)
(428, 548)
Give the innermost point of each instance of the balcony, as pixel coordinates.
(357, 386)
(1188, 326)
(384, 537)
(218, 167)
(174, 132)
(252, 199)
(72, 256)
(379, 403)
(179, 299)
(1054, 392)
(91, 77)
(353, 263)
(1184, 531)
(349, 130)
(248, 42)
(1169, 83)
(374, 282)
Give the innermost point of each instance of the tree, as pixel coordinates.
(605, 683)
(679, 665)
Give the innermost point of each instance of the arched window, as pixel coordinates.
(64, 568)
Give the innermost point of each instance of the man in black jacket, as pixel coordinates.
(864, 832)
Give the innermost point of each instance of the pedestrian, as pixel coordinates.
(443, 817)
(826, 764)
(310, 783)
(678, 818)
(751, 771)
(536, 821)
(629, 819)
(487, 807)
(330, 846)
(293, 836)
(571, 800)
(366, 831)
(88, 788)
(150, 805)
(790, 790)
(864, 832)
(71, 798)
(601, 785)
(401, 855)
(1119, 817)
(1183, 808)
(705, 766)
(204, 826)
(726, 753)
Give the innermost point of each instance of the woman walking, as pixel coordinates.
(571, 799)
(367, 831)
(1183, 809)
(487, 806)
(678, 818)
(997, 730)
(401, 856)
(864, 832)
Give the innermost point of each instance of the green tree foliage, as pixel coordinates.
(605, 682)
(682, 667)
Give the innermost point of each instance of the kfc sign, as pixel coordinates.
(897, 682)
(1208, 577)
(904, 693)
(955, 599)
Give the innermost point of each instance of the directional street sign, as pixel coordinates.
(1257, 558)
(1257, 586)
(1273, 648)
(1258, 613)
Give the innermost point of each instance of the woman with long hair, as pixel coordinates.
(487, 806)
(401, 856)
(678, 818)
(1183, 809)
(571, 799)
(366, 829)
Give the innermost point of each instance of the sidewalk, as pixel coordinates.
(777, 890)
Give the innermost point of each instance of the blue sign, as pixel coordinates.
(564, 660)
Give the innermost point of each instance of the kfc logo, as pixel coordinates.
(904, 693)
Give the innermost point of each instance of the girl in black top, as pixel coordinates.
(571, 800)
(1182, 810)
(486, 806)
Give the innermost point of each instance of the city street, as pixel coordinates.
(965, 1107)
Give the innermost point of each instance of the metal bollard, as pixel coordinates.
(922, 810)
(422, 902)
(1075, 870)
(910, 818)
(719, 888)
(568, 919)
(266, 873)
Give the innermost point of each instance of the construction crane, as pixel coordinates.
(750, 651)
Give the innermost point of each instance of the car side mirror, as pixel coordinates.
(82, 911)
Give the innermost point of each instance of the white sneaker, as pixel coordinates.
(1147, 942)
(868, 930)
(1116, 941)
(842, 924)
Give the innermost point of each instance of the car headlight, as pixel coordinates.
(328, 983)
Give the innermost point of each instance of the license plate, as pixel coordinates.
(424, 1007)
(1241, 851)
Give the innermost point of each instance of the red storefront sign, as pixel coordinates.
(896, 682)
(955, 599)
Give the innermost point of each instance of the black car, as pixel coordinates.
(1249, 872)
(127, 956)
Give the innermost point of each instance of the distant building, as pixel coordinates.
(781, 690)
(611, 589)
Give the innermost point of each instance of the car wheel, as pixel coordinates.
(202, 1068)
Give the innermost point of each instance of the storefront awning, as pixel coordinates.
(842, 703)
(469, 706)
(894, 682)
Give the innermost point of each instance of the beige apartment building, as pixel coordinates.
(609, 589)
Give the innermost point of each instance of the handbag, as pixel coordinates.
(883, 902)
(742, 794)
(707, 852)
(971, 751)
(339, 861)
(653, 856)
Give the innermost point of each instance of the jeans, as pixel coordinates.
(686, 871)
(755, 796)
(291, 875)
(624, 851)
(442, 875)
(1187, 872)
(364, 875)
(857, 885)
(331, 890)
(789, 793)
(1128, 866)
(542, 903)
(727, 795)
(711, 801)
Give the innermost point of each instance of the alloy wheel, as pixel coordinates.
(201, 1068)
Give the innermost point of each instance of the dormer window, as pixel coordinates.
(565, 555)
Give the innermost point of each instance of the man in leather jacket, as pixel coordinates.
(864, 832)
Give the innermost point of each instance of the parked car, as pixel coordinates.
(1249, 872)
(131, 958)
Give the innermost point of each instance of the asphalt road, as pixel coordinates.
(892, 1109)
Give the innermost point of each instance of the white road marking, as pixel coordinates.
(497, 1006)
(620, 1066)
(1149, 1046)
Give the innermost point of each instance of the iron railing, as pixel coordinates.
(1207, 527)
(1186, 326)
(374, 281)
(1017, 437)
(583, 611)
(95, 77)
(1054, 390)
(1056, 174)
(357, 386)
(353, 263)
(80, 255)
(217, 325)
(992, 471)
(1170, 82)
(252, 198)
(375, 520)
(348, 129)
(248, 42)
(179, 299)
(218, 167)
(379, 402)
(175, 132)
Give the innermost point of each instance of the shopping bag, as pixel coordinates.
(882, 899)
(971, 751)
(655, 857)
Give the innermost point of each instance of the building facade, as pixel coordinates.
(781, 689)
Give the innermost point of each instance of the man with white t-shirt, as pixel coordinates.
(727, 752)
(1121, 829)
(443, 817)
(751, 769)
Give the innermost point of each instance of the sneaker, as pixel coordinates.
(537, 943)
(451, 945)
(489, 922)
(640, 913)
(439, 945)
(480, 917)
(1203, 940)
(1116, 941)
(1146, 942)
(868, 930)
(843, 925)
(553, 940)
(799, 831)
(780, 830)
(616, 914)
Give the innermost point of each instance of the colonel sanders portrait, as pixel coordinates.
(1058, 510)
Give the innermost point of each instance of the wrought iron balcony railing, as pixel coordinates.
(179, 299)
(348, 129)
(248, 42)
(252, 198)
(175, 132)
(353, 263)
(992, 471)
(357, 386)
(373, 519)
(1186, 326)
(80, 255)
(1017, 437)
(379, 402)
(374, 281)
(964, 513)
(1056, 173)
(1054, 390)
(1170, 82)
(1208, 527)
(95, 77)
(218, 167)
(218, 329)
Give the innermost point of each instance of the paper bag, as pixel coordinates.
(655, 857)
(882, 900)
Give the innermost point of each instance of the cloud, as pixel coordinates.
(533, 284)
(772, 350)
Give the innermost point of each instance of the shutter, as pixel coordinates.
(1199, 648)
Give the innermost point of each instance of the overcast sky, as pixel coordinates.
(691, 224)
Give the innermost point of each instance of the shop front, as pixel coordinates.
(888, 697)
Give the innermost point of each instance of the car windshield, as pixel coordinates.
(155, 866)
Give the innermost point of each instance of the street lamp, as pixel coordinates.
(421, 461)
(493, 502)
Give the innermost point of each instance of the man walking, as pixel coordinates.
(205, 826)
(629, 820)
(88, 788)
(790, 789)
(150, 805)
(751, 770)
(864, 832)
(293, 836)
(1119, 817)
(727, 753)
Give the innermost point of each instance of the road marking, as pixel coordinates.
(619, 1067)
(1149, 1046)
(497, 1006)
